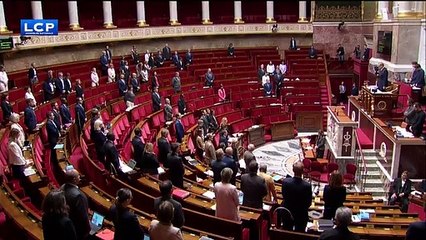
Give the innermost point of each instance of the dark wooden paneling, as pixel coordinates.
(308, 121)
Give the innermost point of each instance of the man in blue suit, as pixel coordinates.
(134, 81)
(267, 87)
(49, 87)
(65, 112)
(104, 63)
(80, 114)
(30, 118)
(122, 86)
(53, 131)
(180, 131)
(382, 74)
(230, 162)
(418, 77)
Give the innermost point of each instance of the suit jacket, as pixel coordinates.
(163, 149)
(320, 142)
(333, 199)
(126, 224)
(135, 84)
(99, 140)
(178, 217)
(57, 119)
(80, 115)
(293, 45)
(366, 54)
(312, 53)
(79, 91)
(398, 188)
(217, 167)
(176, 84)
(32, 72)
(65, 114)
(154, 82)
(181, 106)
(138, 148)
(338, 233)
(267, 87)
(254, 189)
(167, 52)
(418, 122)
(58, 227)
(68, 85)
(78, 212)
(7, 109)
(231, 51)
(188, 58)
(108, 54)
(156, 101)
(299, 205)
(122, 87)
(176, 169)
(104, 62)
(60, 85)
(30, 118)
(52, 133)
(418, 78)
(382, 82)
(112, 160)
(175, 59)
(149, 163)
(232, 164)
(48, 93)
(180, 131)
(179, 65)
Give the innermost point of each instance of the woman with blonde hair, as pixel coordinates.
(14, 118)
(149, 163)
(334, 194)
(223, 124)
(16, 159)
(227, 201)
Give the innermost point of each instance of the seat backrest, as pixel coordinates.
(351, 168)
(282, 218)
(316, 166)
(331, 167)
(307, 163)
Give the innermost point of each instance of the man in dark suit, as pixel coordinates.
(297, 196)
(156, 100)
(32, 74)
(217, 165)
(77, 202)
(108, 53)
(175, 166)
(163, 146)
(122, 86)
(312, 52)
(79, 92)
(231, 50)
(65, 112)
(80, 114)
(56, 114)
(366, 54)
(230, 162)
(167, 52)
(181, 104)
(112, 160)
(293, 45)
(343, 219)
(166, 188)
(179, 64)
(6, 107)
(320, 144)
(60, 83)
(180, 131)
(138, 145)
(418, 120)
(188, 57)
(48, 88)
(253, 187)
(400, 190)
(53, 131)
(68, 84)
(382, 77)
(418, 76)
(104, 63)
(154, 81)
(175, 58)
(134, 81)
(159, 59)
(30, 118)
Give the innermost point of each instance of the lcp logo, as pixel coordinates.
(39, 27)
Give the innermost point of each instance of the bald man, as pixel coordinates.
(297, 197)
(248, 155)
(77, 202)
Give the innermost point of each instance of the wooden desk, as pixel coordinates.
(282, 130)
(256, 135)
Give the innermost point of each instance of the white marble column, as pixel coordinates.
(107, 9)
(422, 47)
(238, 15)
(311, 19)
(302, 11)
(270, 12)
(404, 9)
(173, 13)
(382, 7)
(205, 11)
(3, 26)
(73, 15)
(37, 9)
(419, 7)
(140, 7)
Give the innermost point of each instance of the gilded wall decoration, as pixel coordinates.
(336, 11)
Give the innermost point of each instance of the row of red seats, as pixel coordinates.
(241, 125)
(264, 111)
(252, 103)
(229, 75)
(300, 91)
(199, 72)
(308, 99)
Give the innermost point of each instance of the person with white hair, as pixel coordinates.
(4, 79)
(226, 194)
(342, 219)
(29, 94)
(94, 77)
(14, 118)
(248, 154)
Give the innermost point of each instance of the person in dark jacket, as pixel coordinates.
(334, 195)
(217, 166)
(6, 107)
(55, 221)
(382, 77)
(53, 131)
(79, 92)
(138, 145)
(175, 165)
(418, 76)
(80, 115)
(163, 146)
(30, 118)
(342, 220)
(65, 112)
(126, 223)
(230, 162)
(320, 144)
(156, 100)
(231, 50)
(180, 130)
(149, 163)
(181, 104)
(253, 187)
(400, 191)
(77, 203)
(166, 189)
(418, 121)
(49, 87)
(167, 52)
(112, 158)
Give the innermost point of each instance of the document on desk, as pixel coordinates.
(209, 194)
(124, 167)
(209, 173)
(29, 171)
(59, 146)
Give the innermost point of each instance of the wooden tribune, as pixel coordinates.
(282, 130)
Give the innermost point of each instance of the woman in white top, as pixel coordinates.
(283, 67)
(29, 95)
(14, 118)
(270, 68)
(4, 80)
(162, 229)
(15, 157)
(95, 78)
(226, 197)
(111, 73)
(144, 75)
(265, 78)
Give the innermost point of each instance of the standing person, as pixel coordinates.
(312, 53)
(227, 201)
(176, 83)
(6, 107)
(166, 189)
(111, 73)
(343, 219)
(175, 58)
(77, 202)
(65, 113)
(418, 76)
(342, 93)
(104, 63)
(135, 55)
(218, 165)
(253, 187)
(283, 67)
(231, 50)
(156, 100)
(293, 45)
(80, 114)
(320, 144)
(94, 78)
(108, 53)
(138, 145)
(188, 57)
(366, 54)
(29, 94)
(418, 121)
(4, 80)
(163, 228)
(14, 118)
(400, 191)
(267, 87)
(53, 131)
(49, 87)
(79, 92)
(112, 157)
(334, 195)
(134, 82)
(340, 53)
(181, 104)
(261, 72)
(354, 90)
(180, 130)
(279, 78)
(168, 111)
(32, 74)
(167, 52)
(154, 81)
(129, 97)
(30, 118)
(159, 60)
(209, 77)
(221, 93)
(270, 68)
(248, 155)
(210, 153)
(175, 166)
(230, 162)
(16, 159)
(126, 223)
(382, 77)
(270, 185)
(55, 221)
(149, 163)
(298, 206)
(357, 52)
(163, 146)
(199, 144)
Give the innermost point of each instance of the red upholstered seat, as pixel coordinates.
(364, 140)
(331, 167)
(349, 177)
(306, 167)
(316, 170)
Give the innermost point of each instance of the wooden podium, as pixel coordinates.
(377, 104)
(282, 130)
(256, 135)
(361, 71)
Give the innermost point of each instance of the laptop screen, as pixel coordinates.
(97, 219)
(132, 163)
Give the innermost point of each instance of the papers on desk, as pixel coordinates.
(160, 170)
(29, 171)
(266, 207)
(124, 167)
(209, 173)
(356, 219)
(209, 194)
(369, 210)
(402, 132)
(275, 104)
(232, 139)
(416, 194)
(309, 148)
(255, 126)
(59, 146)
(169, 122)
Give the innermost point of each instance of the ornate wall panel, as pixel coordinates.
(336, 11)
